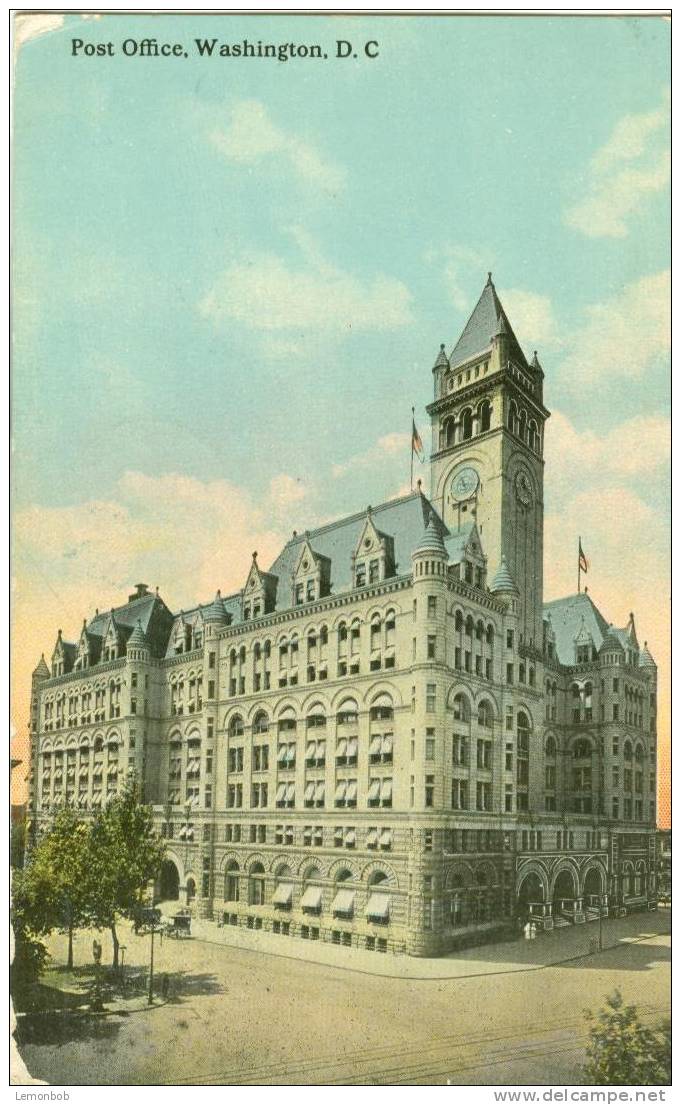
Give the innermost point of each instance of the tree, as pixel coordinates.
(622, 1052)
(124, 856)
(50, 892)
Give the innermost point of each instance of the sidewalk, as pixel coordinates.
(549, 948)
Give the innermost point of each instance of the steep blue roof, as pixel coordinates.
(488, 318)
(402, 519)
(566, 621)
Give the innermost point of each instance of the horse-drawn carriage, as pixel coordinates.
(179, 925)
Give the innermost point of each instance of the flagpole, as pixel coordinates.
(411, 438)
(579, 566)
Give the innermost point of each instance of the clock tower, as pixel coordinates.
(487, 466)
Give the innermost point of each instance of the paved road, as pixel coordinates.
(241, 1017)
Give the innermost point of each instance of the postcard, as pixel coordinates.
(340, 551)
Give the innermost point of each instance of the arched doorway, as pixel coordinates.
(594, 892)
(191, 890)
(170, 881)
(564, 895)
(530, 896)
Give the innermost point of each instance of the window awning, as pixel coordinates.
(309, 792)
(387, 745)
(283, 895)
(386, 836)
(372, 837)
(374, 789)
(82, 772)
(340, 791)
(351, 792)
(352, 746)
(319, 792)
(344, 902)
(281, 792)
(378, 907)
(342, 747)
(350, 836)
(291, 754)
(312, 898)
(182, 833)
(311, 750)
(290, 792)
(386, 790)
(282, 754)
(375, 745)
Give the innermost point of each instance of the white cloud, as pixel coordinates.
(388, 447)
(639, 446)
(462, 268)
(633, 163)
(622, 336)
(532, 318)
(265, 292)
(285, 490)
(252, 136)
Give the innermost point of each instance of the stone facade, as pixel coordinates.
(378, 742)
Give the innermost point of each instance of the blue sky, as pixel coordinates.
(232, 278)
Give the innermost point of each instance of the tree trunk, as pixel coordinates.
(69, 960)
(114, 937)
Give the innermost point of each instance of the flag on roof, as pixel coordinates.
(583, 562)
(416, 443)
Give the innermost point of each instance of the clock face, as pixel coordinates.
(523, 488)
(465, 484)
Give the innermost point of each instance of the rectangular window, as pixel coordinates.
(430, 744)
(615, 712)
(615, 686)
(431, 647)
(509, 638)
(211, 659)
(427, 840)
(509, 673)
(211, 689)
(431, 689)
(429, 797)
(432, 606)
(457, 658)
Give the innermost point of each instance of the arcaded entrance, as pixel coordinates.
(170, 881)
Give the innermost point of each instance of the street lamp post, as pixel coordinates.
(151, 964)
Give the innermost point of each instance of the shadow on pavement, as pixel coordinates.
(622, 957)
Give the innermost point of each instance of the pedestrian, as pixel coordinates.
(528, 930)
(96, 951)
(533, 931)
(165, 987)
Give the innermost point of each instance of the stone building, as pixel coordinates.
(386, 739)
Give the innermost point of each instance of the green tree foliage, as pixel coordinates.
(622, 1052)
(51, 890)
(124, 856)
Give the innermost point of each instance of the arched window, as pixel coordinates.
(639, 753)
(458, 621)
(485, 714)
(447, 433)
(232, 881)
(627, 750)
(261, 722)
(469, 626)
(466, 424)
(550, 748)
(522, 422)
(479, 630)
(256, 885)
(462, 709)
(582, 750)
(523, 724)
(490, 635)
(532, 437)
(485, 415)
(512, 416)
(381, 708)
(236, 726)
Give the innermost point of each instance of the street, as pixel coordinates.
(238, 1017)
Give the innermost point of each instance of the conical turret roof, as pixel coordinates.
(503, 580)
(432, 541)
(137, 638)
(645, 659)
(41, 668)
(441, 360)
(216, 612)
(611, 643)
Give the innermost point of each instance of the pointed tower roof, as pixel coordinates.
(137, 638)
(631, 631)
(487, 320)
(583, 637)
(503, 580)
(216, 612)
(41, 668)
(441, 360)
(535, 364)
(645, 659)
(432, 541)
(611, 642)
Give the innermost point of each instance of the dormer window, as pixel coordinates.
(299, 594)
(361, 574)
